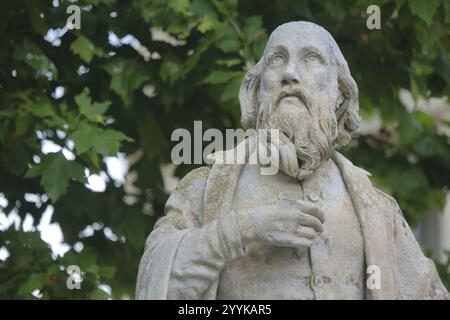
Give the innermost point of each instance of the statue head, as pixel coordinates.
(303, 87)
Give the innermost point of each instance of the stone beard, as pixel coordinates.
(310, 125)
(312, 230)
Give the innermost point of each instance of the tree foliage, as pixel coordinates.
(117, 85)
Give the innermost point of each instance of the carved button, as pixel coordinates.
(314, 197)
(318, 281)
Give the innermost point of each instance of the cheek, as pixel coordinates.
(270, 81)
(320, 79)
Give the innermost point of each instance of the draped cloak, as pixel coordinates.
(388, 241)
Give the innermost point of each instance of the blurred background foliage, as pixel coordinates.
(137, 70)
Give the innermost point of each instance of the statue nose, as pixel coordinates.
(290, 75)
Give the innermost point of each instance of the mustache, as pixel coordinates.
(293, 91)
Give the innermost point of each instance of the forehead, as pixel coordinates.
(298, 35)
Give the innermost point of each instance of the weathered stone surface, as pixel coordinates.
(313, 230)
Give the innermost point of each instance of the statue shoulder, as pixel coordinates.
(346, 165)
(194, 180)
(389, 199)
(358, 173)
(184, 208)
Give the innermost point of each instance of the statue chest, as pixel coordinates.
(333, 268)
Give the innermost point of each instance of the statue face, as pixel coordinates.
(298, 58)
(299, 91)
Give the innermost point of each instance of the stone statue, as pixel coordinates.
(317, 229)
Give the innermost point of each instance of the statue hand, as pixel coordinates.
(287, 223)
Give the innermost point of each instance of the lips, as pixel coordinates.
(289, 97)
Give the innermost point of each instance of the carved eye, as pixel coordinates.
(312, 58)
(276, 59)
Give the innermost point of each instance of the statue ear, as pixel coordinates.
(248, 96)
(347, 110)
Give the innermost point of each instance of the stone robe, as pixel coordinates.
(194, 246)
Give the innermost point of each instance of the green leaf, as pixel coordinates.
(92, 111)
(221, 76)
(23, 123)
(83, 47)
(170, 70)
(205, 25)
(231, 90)
(446, 5)
(228, 62)
(227, 38)
(203, 8)
(424, 9)
(409, 129)
(106, 2)
(253, 27)
(56, 173)
(150, 133)
(406, 181)
(86, 260)
(34, 57)
(37, 22)
(181, 6)
(227, 7)
(107, 272)
(15, 156)
(204, 44)
(34, 281)
(106, 142)
(41, 108)
(98, 294)
(126, 77)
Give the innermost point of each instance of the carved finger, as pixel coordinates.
(312, 209)
(283, 239)
(306, 232)
(310, 221)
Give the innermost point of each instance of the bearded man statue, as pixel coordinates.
(317, 229)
